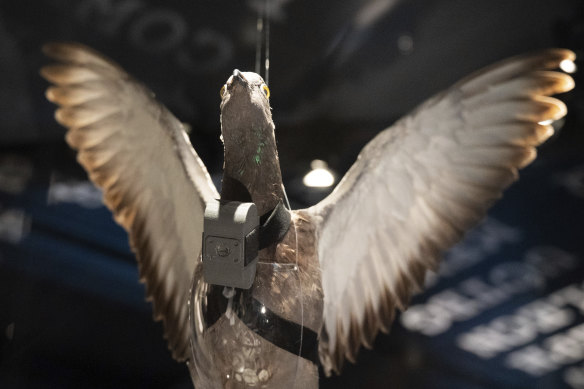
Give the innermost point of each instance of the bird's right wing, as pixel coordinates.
(417, 186)
(152, 180)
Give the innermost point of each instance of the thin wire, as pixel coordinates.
(286, 198)
(267, 35)
(297, 268)
(260, 29)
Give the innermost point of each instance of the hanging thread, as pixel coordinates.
(267, 61)
(260, 29)
(263, 36)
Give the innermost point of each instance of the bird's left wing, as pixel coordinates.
(417, 186)
(152, 179)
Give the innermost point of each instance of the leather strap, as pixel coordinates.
(273, 227)
(283, 333)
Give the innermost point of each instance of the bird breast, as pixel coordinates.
(229, 351)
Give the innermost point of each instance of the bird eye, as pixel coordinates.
(266, 91)
(222, 91)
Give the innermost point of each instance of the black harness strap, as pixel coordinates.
(283, 333)
(273, 227)
(234, 190)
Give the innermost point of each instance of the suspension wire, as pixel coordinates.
(267, 39)
(260, 29)
(263, 36)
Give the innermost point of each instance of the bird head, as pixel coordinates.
(245, 109)
(247, 131)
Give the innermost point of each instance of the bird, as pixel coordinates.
(336, 274)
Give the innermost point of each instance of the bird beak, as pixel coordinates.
(237, 78)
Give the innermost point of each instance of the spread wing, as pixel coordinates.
(152, 179)
(418, 185)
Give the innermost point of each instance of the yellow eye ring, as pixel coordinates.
(222, 91)
(266, 91)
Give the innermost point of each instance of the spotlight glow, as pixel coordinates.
(568, 66)
(320, 176)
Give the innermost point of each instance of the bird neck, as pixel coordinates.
(251, 171)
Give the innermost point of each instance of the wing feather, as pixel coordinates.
(153, 181)
(419, 185)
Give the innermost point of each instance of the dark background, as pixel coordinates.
(505, 311)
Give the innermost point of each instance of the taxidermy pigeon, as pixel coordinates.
(332, 279)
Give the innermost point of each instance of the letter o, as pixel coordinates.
(172, 26)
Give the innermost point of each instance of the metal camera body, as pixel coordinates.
(230, 243)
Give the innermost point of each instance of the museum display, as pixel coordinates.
(253, 293)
